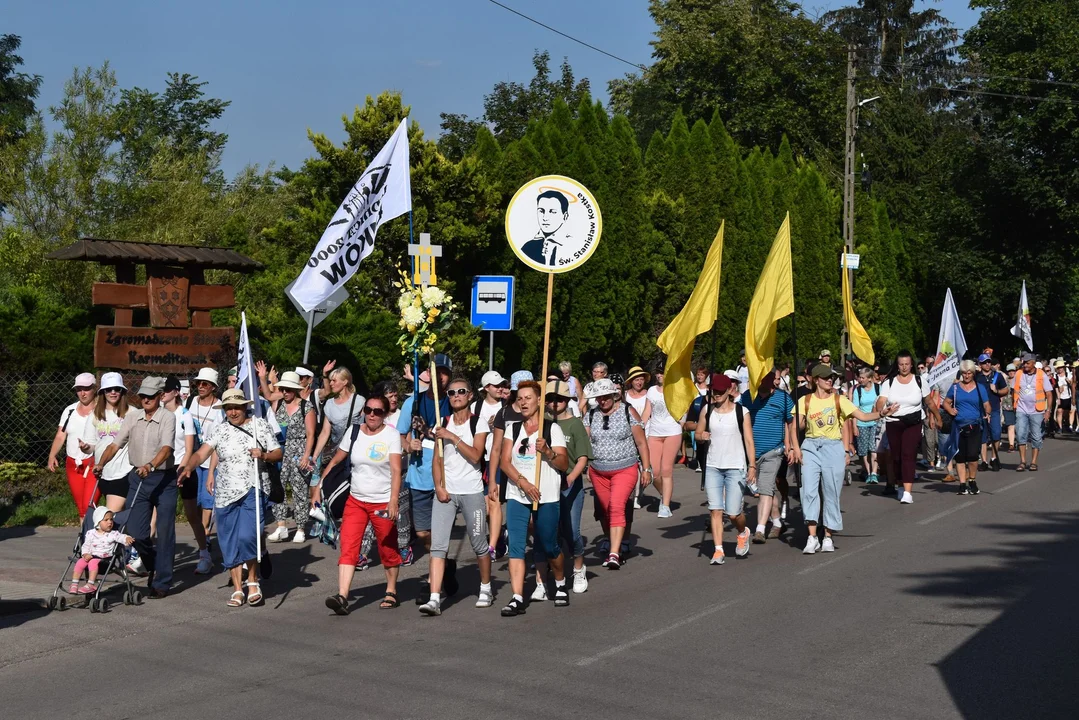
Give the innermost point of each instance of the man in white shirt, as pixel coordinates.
(184, 444)
(206, 419)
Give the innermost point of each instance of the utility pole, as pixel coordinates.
(848, 174)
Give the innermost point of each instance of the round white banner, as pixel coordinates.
(553, 224)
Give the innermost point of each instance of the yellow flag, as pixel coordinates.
(773, 299)
(859, 338)
(698, 316)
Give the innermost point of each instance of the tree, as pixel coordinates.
(17, 92)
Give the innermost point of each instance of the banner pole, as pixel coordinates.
(438, 412)
(307, 340)
(543, 374)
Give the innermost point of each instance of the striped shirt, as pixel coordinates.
(769, 418)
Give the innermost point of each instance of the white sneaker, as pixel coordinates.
(812, 546)
(206, 564)
(827, 545)
(636, 503)
(135, 567)
(664, 512)
(299, 537)
(907, 498)
(540, 593)
(277, 535)
(580, 581)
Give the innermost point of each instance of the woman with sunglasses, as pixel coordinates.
(459, 487)
(296, 415)
(100, 430)
(618, 442)
(823, 456)
(376, 481)
(77, 465)
(522, 448)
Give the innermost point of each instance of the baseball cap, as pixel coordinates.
(557, 387)
(84, 380)
(733, 376)
(304, 372)
(1011, 366)
(111, 380)
(721, 383)
(823, 370)
(824, 353)
(492, 377)
(1028, 357)
(443, 361)
(519, 377)
(984, 358)
(151, 386)
(172, 383)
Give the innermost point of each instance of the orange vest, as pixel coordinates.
(1039, 390)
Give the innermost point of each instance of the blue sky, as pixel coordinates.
(288, 66)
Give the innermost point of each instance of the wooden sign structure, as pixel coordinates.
(181, 337)
(553, 225)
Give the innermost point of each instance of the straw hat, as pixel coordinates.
(233, 397)
(635, 372)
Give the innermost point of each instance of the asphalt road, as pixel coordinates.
(950, 607)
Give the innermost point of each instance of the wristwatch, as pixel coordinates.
(152, 468)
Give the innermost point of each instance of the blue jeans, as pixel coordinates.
(157, 490)
(570, 508)
(1028, 426)
(991, 430)
(724, 489)
(544, 529)
(823, 463)
(206, 499)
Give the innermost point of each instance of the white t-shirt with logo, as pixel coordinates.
(463, 477)
(660, 423)
(550, 485)
(371, 463)
(99, 434)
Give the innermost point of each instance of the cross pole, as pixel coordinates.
(423, 266)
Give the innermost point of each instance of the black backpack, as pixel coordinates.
(336, 484)
(740, 413)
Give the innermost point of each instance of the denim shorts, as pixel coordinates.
(724, 489)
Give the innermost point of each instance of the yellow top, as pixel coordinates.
(821, 421)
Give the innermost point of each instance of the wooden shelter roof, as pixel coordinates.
(111, 252)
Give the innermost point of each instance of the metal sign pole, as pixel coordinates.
(491, 353)
(307, 340)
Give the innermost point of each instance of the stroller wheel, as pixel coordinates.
(127, 598)
(92, 605)
(62, 603)
(52, 603)
(136, 597)
(103, 605)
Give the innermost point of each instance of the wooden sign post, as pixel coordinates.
(553, 225)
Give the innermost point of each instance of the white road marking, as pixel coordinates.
(652, 635)
(1028, 478)
(837, 558)
(946, 513)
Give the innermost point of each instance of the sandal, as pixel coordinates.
(338, 603)
(237, 599)
(254, 597)
(1021, 467)
(389, 601)
(1033, 467)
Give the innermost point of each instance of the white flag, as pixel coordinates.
(383, 192)
(951, 347)
(1022, 325)
(246, 379)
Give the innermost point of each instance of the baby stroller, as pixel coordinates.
(95, 601)
(335, 490)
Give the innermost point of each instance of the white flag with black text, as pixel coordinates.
(246, 379)
(951, 347)
(383, 192)
(1022, 325)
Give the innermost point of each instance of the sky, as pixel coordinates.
(288, 67)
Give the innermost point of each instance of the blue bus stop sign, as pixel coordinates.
(492, 302)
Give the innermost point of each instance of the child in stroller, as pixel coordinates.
(98, 544)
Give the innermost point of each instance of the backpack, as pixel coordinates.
(473, 423)
(592, 413)
(838, 410)
(303, 415)
(876, 387)
(955, 399)
(336, 483)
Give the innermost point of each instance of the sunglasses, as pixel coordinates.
(523, 450)
(113, 391)
(86, 388)
(376, 411)
(455, 393)
(555, 399)
(606, 422)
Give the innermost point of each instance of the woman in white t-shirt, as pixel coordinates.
(521, 448)
(376, 480)
(904, 426)
(78, 465)
(98, 433)
(664, 438)
(459, 487)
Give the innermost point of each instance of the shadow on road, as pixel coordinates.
(1024, 663)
